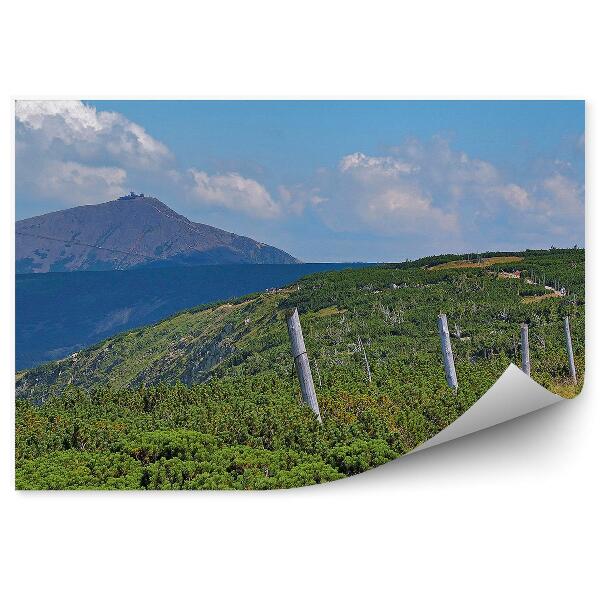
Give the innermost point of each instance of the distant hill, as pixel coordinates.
(132, 231)
(61, 313)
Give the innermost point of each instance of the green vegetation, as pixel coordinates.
(207, 399)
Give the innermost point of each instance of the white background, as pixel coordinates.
(507, 513)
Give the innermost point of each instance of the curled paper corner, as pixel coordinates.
(513, 395)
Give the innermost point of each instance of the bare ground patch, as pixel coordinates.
(476, 264)
(532, 299)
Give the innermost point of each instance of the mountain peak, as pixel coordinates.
(130, 232)
(141, 199)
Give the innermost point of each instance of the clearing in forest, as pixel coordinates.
(532, 299)
(476, 263)
(329, 311)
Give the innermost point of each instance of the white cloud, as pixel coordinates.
(424, 190)
(315, 199)
(75, 115)
(294, 199)
(513, 195)
(389, 194)
(363, 166)
(80, 184)
(72, 130)
(235, 193)
(562, 196)
(71, 153)
(405, 210)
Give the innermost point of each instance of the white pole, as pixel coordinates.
(301, 361)
(318, 373)
(570, 350)
(366, 359)
(525, 363)
(447, 352)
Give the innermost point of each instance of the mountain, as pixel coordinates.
(132, 231)
(61, 313)
(393, 309)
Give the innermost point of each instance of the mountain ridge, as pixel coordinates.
(130, 232)
(61, 313)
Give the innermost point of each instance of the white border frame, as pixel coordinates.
(510, 512)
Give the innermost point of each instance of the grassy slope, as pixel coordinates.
(244, 427)
(393, 310)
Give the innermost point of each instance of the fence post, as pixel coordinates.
(318, 373)
(301, 361)
(525, 364)
(366, 359)
(457, 329)
(570, 350)
(447, 352)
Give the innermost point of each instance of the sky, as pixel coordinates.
(327, 181)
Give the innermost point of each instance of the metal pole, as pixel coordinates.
(301, 361)
(447, 352)
(570, 350)
(525, 364)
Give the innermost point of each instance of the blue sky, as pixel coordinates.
(326, 181)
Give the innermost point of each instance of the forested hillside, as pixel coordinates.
(208, 399)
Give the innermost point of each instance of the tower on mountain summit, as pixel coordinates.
(131, 196)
